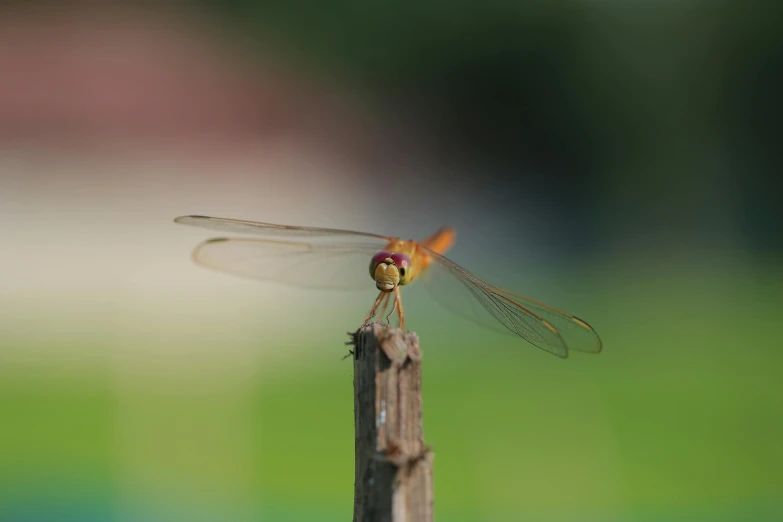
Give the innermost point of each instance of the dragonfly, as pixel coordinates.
(328, 258)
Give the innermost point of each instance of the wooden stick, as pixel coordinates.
(393, 480)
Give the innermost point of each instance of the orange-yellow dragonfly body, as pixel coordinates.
(315, 257)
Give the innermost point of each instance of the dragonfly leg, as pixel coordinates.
(384, 305)
(394, 306)
(381, 297)
(398, 302)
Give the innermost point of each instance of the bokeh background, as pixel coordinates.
(619, 160)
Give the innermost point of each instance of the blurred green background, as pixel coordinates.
(617, 160)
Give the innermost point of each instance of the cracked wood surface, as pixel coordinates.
(393, 480)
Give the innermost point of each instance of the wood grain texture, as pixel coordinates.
(393, 480)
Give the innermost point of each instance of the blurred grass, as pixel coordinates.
(678, 419)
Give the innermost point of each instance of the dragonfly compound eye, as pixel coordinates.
(403, 263)
(377, 259)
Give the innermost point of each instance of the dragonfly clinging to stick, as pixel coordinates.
(314, 257)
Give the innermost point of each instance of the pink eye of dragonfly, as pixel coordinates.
(314, 257)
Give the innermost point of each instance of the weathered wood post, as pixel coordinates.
(393, 480)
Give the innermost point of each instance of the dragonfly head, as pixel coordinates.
(390, 270)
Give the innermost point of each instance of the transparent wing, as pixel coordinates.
(269, 230)
(577, 333)
(502, 310)
(333, 265)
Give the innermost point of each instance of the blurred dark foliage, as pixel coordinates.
(663, 114)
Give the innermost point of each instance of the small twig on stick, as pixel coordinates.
(393, 480)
